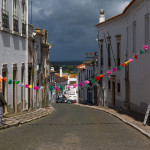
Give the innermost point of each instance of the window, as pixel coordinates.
(79, 77)
(118, 87)
(147, 29)
(101, 55)
(87, 74)
(101, 78)
(127, 42)
(23, 11)
(109, 56)
(134, 37)
(118, 54)
(109, 84)
(4, 4)
(15, 7)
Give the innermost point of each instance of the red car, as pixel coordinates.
(74, 101)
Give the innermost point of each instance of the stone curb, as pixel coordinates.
(117, 116)
(26, 121)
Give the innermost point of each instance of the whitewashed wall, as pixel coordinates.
(13, 49)
(139, 71)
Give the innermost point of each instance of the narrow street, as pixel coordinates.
(71, 127)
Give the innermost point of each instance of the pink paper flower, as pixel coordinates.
(86, 82)
(80, 84)
(130, 60)
(56, 88)
(109, 72)
(26, 86)
(114, 69)
(36, 88)
(75, 85)
(145, 47)
(69, 86)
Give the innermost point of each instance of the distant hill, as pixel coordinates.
(67, 66)
(59, 63)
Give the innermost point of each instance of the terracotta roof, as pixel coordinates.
(72, 75)
(89, 62)
(65, 76)
(118, 14)
(59, 79)
(82, 66)
(51, 71)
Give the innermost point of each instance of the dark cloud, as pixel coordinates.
(70, 24)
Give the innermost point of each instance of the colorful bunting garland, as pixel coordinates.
(17, 82)
(80, 84)
(93, 80)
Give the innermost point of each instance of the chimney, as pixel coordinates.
(102, 16)
(60, 71)
(52, 68)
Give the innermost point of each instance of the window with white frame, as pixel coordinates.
(101, 54)
(23, 11)
(118, 38)
(15, 7)
(109, 55)
(134, 37)
(147, 29)
(4, 4)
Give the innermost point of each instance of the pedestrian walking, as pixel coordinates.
(2, 104)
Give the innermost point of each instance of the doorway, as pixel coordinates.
(127, 88)
(4, 86)
(14, 88)
(22, 88)
(113, 94)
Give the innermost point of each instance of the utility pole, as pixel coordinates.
(31, 8)
(31, 12)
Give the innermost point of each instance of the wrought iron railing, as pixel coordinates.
(15, 23)
(5, 19)
(23, 27)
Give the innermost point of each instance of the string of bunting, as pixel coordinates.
(86, 82)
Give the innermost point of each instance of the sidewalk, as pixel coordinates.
(131, 118)
(24, 117)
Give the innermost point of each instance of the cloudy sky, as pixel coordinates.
(70, 24)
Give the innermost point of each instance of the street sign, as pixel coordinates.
(146, 115)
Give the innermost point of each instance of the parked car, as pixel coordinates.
(59, 100)
(74, 101)
(64, 100)
(70, 101)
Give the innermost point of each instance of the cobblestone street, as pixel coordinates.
(72, 127)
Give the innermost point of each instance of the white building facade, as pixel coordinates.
(14, 51)
(120, 38)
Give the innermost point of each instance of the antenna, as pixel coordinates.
(31, 8)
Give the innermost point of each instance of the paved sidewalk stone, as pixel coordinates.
(9, 121)
(125, 117)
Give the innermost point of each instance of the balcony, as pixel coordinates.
(5, 19)
(23, 27)
(15, 23)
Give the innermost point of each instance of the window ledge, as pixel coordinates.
(15, 33)
(23, 35)
(5, 29)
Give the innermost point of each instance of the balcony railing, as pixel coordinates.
(23, 27)
(5, 19)
(15, 23)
